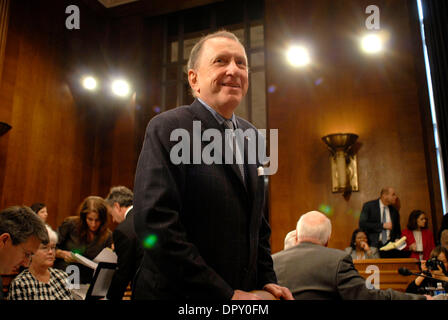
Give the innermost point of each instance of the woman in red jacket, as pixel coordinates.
(419, 239)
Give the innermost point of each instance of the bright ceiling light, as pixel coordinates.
(298, 56)
(372, 43)
(120, 88)
(89, 83)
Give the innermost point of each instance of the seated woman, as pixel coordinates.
(86, 234)
(41, 210)
(40, 281)
(360, 248)
(420, 283)
(419, 239)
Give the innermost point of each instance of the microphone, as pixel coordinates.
(407, 272)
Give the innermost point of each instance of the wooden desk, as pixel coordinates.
(389, 276)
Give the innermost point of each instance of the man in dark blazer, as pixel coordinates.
(126, 245)
(202, 225)
(380, 219)
(314, 272)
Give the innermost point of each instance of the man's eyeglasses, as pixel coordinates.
(28, 255)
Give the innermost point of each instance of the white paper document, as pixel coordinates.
(106, 255)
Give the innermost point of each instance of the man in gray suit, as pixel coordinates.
(313, 271)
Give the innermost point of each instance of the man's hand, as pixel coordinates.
(244, 295)
(387, 225)
(278, 292)
(413, 247)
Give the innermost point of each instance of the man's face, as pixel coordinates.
(14, 256)
(390, 197)
(221, 75)
(116, 212)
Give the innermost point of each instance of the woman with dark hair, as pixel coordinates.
(360, 248)
(419, 239)
(41, 210)
(86, 234)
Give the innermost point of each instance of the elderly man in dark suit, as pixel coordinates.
(201, 222)
(313, 271)
(380, 219)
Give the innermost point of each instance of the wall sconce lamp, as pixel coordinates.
(4, 127)
(343, 161)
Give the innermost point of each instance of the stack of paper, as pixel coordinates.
(106, 255)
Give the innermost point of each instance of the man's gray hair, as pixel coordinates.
(314, 226)
(20, 222)
(290, 240)
(120, 194)
(196, 51)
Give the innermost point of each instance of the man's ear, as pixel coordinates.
(3, 238)
(117, 206)
(193, 80)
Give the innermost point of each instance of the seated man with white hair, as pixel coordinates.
(312, 271)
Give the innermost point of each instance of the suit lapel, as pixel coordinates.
(208, 121)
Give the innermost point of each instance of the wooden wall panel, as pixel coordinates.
(45, 150)
(343, 90)
(67, 144)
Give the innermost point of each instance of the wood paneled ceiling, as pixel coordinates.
(123, 8)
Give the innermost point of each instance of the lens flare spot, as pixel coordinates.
(150, 241)
(326, 209)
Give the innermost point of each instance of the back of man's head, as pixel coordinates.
(20, 222)
(120, 194)
(314, 227)
(290, 240)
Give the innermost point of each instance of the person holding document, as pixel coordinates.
(86, 234)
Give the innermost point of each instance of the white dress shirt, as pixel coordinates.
(382, 206)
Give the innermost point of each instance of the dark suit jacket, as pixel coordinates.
(370, 221)
(314, 272)
(212, 236)
(130, 254)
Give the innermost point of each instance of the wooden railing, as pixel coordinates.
(388, 271)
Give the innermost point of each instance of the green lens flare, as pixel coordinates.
(326, 209)
(150, 241)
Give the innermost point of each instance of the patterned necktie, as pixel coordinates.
(231, 140)
(384, 232)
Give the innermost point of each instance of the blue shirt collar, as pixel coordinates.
(217, 116)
